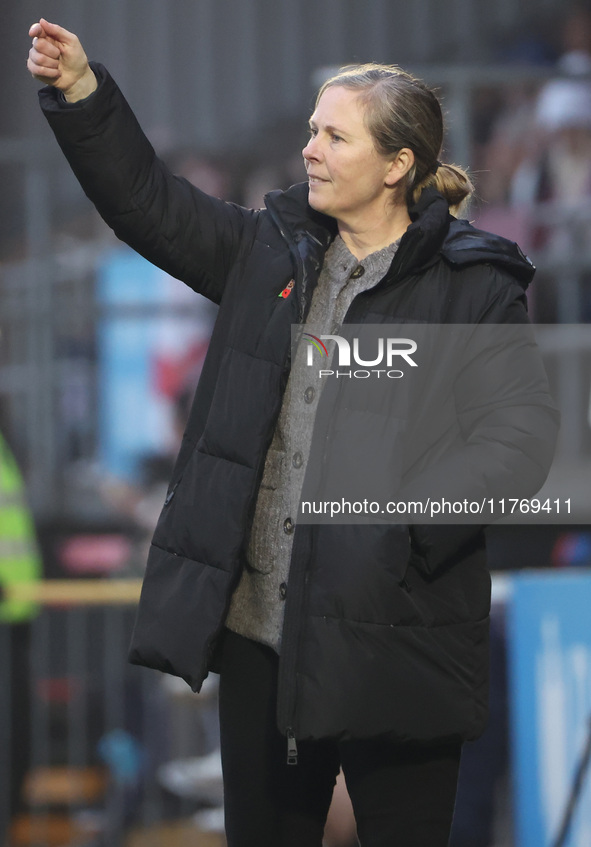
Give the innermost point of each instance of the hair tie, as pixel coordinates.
(436, 167)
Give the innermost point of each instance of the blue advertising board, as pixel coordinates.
(151, 339)
(130, 422)
(550, 682)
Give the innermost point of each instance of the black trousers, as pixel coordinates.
(402, 795)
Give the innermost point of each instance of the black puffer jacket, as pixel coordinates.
(377, 641)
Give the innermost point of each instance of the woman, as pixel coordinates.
(361, 646)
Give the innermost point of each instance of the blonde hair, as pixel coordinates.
(400, 111)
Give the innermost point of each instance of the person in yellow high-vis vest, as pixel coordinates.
(19, 555)
(20, 562)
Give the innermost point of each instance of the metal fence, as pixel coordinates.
(94, 733)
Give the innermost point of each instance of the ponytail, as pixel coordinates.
(451, 181)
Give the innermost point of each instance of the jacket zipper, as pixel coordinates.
(171, 493)
(294, 615)
(286, 687)
(292, 747)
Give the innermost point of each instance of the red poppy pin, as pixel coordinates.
(287, 290)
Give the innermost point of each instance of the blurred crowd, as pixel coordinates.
(533, 165)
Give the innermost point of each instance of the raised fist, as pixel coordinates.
(57, 58)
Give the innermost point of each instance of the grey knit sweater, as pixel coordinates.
(256, 609)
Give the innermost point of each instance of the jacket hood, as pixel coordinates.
(466, 245)
(433, 232)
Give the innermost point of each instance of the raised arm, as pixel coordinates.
(187, 233)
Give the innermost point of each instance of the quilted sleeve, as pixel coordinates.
(166, 219)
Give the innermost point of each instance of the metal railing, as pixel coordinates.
(96, 730)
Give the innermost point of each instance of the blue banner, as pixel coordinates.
(550, 680)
